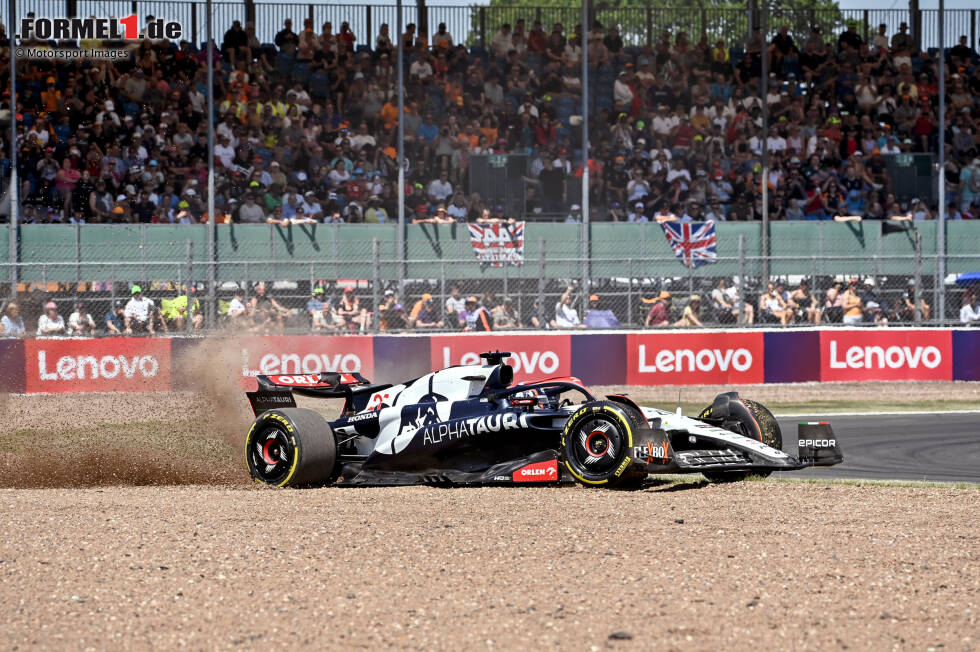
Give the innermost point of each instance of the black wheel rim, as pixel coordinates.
(271, 455)
(596, 446)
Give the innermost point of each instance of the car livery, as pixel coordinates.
(471, 424)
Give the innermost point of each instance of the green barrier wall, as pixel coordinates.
(132, 252)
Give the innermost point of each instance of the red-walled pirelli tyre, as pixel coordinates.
(597, 444)
(759, 424)
(291, 447)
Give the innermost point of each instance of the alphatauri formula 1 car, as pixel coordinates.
(471, 425)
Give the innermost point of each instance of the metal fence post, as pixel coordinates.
(741, 272)
(376, 282)
(917, 295)
(629, 295)
(542, 267)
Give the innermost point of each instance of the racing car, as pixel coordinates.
(472, 425)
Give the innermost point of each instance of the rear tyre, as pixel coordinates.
(758, 424)
(597, 444)
(291, 447)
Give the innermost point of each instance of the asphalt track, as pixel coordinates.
(931, 447)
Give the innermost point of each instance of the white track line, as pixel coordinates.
(874, 414)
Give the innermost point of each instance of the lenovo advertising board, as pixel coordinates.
(305, 354)
(886, 354)
(115, 364)
(534, 357)
(695, 358)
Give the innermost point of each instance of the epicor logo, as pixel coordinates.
(680, 360)
(115, 29)
(529, 362)
(892, 357)
(88, 366)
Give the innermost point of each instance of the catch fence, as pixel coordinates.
(893, 290)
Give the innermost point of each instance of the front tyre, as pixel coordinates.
(291, 447)
(755, 422)
(597, 444)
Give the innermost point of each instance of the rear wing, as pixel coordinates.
(277, 391)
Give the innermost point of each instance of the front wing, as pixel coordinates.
(708, 448)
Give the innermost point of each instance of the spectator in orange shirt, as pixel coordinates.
(424, 314)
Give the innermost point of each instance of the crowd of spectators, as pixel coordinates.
(306, 126)
(848, 301)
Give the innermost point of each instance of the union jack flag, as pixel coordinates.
(693, 242)
(498, 244)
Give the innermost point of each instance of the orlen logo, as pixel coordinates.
(886, 355)
(694, 358)
(537, 472)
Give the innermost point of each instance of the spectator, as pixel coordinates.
(349, 308)
(315, 304)
(50, 323)
(327, 319)
(692, 312)
(474, 316)
(805, 302)
(138, 314)
(505, 315)
(659, 313)
(908, 302)
(178, 312)
(773, 308)
(423, 314)
(80, 322)
(970, 312)
(728, 305)
(833, 307)
(237, 310)
(455, 304)
(853, 306)
(266, 311)
(115, 319)
(565, 315)
(12, 324)
(597, 317)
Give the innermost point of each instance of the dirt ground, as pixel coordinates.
(96, 561)
(682, 567)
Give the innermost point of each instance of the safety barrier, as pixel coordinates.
(635, 358)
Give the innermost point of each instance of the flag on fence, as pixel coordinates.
(693, 242)
(497, 244)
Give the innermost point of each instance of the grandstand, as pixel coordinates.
(306, 124)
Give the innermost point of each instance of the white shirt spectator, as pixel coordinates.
(713, 216)
(440, 189)
(502, 43)
(251, 212)
(622, 92)
(225, 153)
(421, 69)
(13, 326)
(80, 323)
(458, 213)
(139, 309)
(637, 216)
(776, 144)
(236, 308)
(680, 173)
(360, 140)
(48, 326)
(662, 125)
(970, 314)
(566, 316)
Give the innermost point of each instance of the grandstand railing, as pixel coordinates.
(475, 25)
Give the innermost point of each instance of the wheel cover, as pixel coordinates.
(596, 446)
(271, 455)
